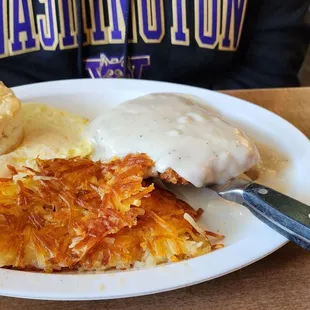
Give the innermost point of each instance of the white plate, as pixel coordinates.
(248, 240)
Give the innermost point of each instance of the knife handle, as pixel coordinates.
(289, 217)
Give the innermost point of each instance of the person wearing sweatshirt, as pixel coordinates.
(215, 44)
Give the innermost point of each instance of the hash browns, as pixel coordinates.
(85, 215)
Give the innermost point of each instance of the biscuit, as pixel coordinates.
(11, 121)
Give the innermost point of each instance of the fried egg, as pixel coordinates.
(48, 133)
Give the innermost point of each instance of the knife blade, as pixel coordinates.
(286, 215)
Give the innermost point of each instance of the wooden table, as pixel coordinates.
(280, 281)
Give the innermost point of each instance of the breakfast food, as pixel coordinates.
(76, 201)
(48, 133)
(11, 122)
(187, 143)
(85, 215)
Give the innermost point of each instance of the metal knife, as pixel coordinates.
(289, 217)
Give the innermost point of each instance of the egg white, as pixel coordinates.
(48, 133)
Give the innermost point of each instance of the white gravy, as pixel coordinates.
(175, 133)
(271, 169)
